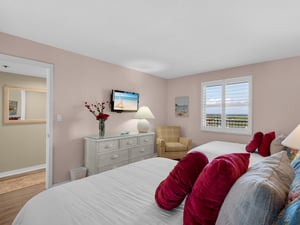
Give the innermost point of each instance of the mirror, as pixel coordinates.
(24, 105)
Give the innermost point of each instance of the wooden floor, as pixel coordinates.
(16, 191)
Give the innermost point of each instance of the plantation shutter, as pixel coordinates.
(226, 105)
(237, 105)
(212, 107)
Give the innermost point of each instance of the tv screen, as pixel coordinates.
(124, 101)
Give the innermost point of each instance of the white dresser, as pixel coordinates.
(109, 152)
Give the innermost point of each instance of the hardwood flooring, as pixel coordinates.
(16, 191)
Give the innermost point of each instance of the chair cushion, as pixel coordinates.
(175, 147)
(169, 133)
(172, 191)
(210, 189)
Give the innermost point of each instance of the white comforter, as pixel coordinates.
(214, 149)
(122, 196)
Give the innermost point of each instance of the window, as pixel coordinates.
(227, 105)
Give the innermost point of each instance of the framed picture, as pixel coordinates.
(13, 108)
(182, 106)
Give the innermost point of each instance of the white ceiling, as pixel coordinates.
(166, 38)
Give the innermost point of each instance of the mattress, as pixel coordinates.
(214, 149)
(124, 196)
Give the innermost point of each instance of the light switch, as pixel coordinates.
(59, 117)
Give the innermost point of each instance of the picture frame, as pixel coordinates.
(182, 106)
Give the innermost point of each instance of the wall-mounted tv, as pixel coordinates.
(124, 101)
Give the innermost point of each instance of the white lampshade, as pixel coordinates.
(293, 139)
(143, 114)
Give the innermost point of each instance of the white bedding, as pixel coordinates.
(214, 149)
(122, 196)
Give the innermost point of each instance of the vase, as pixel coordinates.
(101, 128)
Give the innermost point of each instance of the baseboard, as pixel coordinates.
(23, 170)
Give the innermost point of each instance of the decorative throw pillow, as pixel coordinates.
(293, 154)
(291, 213)
(264, 148)
(255, 142)
(172, 191)
(204, 202)
(258, 195)
(276, 145)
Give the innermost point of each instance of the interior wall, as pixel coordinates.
(78, 79)
(21, 145)
(275, 99)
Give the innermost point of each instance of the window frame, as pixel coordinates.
(223, 83)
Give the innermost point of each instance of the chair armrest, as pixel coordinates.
(186, 141)
(160, 146)
(161, 142)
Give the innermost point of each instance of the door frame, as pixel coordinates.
(28, 67)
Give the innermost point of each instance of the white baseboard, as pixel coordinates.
(23, 170)
(60, 183)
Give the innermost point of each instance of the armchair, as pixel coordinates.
(169, 143)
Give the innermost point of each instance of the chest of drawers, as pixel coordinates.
(109, 152)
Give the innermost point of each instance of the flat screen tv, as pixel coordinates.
(124, 101)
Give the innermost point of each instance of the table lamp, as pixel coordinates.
(293, 139)
(143, 114)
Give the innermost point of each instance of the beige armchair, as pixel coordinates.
(169, 143)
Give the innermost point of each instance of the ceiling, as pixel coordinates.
(165, 38)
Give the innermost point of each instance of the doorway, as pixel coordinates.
(27, 67)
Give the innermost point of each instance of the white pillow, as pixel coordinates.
(276, 145)
(258, 196)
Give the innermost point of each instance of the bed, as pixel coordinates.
(214, 149)
(124, 195)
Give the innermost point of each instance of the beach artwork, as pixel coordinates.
(182, 106)
(126, 101)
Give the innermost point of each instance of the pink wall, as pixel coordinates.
(77, 79)
(275, 99)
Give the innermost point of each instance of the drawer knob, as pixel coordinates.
(108, 146)
(142, 150)
(146, 140)
(129, 142)
(115, 156)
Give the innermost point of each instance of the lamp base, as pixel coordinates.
(143, 126)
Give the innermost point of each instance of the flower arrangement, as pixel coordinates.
(97, 110)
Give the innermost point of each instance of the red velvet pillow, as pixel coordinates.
(172, 191)
(255, 142)
(210, 189)
(264, 148)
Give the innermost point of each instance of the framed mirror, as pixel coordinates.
(23, 105)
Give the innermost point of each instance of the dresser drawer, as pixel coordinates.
(140, 152)
(101, 154)
(111, 158)
(128, 142)
(107, 146)
(147, 139)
